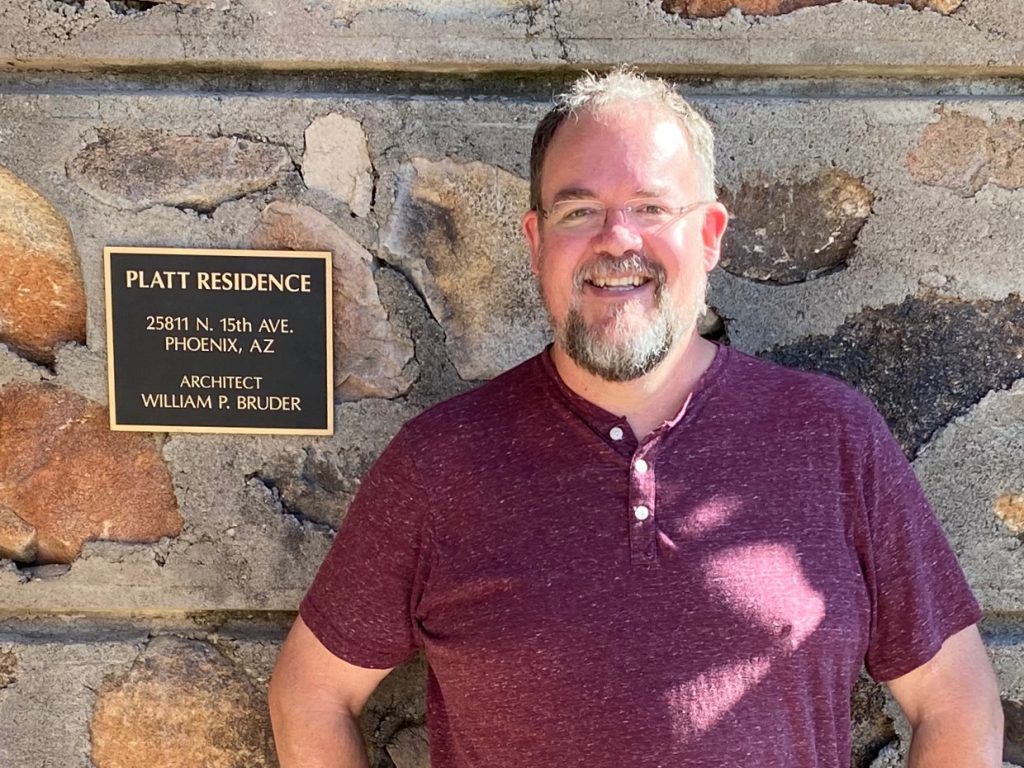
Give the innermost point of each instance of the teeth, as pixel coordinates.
(618, 282)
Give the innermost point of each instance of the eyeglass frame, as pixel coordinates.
(627, 208)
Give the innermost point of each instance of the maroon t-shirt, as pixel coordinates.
(704, 597)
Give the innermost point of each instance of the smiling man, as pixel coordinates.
(638, 548)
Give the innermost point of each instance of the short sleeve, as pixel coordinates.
(919, 595)
(361, 604)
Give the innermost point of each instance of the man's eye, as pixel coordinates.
(652, 209)
(580, 214)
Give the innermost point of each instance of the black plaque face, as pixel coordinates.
(205, 340)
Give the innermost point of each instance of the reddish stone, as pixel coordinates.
(66, 474)
(1010, 509)
(182, 704)
(17, 538)
(42, 298)
(965, 153)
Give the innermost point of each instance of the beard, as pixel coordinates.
(633, 341)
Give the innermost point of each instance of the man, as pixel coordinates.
(638, 548)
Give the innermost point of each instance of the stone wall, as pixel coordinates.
(869, 152)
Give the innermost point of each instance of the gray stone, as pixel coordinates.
(318, 481)
(922, 361)
(964, 153)
(711, 325)
(713, 8)
(871, 727)
(791, 231)
(410, 748)
(180, 704)
(134, 170)
(42, 297)
(396, 706)
(964, 470)
(454, 231)
(373, 355)
(336, 161)
(890, 756)
(1013, 733)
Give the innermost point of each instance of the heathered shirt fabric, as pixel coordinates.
(704, 597)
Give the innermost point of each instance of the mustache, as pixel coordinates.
(636, 263)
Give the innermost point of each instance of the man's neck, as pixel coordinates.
(651, 400)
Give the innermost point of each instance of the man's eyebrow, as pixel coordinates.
(651, 192)
(574, 193)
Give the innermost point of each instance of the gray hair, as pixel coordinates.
(593, 93)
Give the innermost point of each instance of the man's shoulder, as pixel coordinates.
(798, 389)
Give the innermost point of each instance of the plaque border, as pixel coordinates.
(327, 257)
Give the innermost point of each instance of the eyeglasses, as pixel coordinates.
(590, 216)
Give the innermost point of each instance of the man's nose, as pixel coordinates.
(618, 234)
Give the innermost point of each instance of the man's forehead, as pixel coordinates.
(631, 140)
(636, 127)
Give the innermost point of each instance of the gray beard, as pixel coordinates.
(618, 352)
(612, 356)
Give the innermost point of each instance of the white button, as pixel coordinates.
(641, 513)
(615, 433)
(640, 465)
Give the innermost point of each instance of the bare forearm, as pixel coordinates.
(977, 744)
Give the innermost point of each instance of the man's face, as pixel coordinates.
(621, 297)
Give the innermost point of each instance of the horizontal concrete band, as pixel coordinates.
(984, 38)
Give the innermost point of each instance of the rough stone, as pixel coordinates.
(42, 298)
(711, 325)
(17, 538)
(372, 354)
(964, 153)
(922, 361)
(137, 170)
(337, 161)
(890, 756)
(318, 481)
(410, 748)
(963, 470)
(714, 8)
(454, 231)
(1010, 509)
(871, 727)
(788, 232)
(397, 705)
(66, 474)
(8, 668)
(1013, 733)
(180, 704)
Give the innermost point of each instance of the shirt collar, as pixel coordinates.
(602, 421)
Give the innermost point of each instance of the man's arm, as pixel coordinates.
(315, 701)
(952, 703)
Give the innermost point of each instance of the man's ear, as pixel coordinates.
(716, 217)
(531, 229)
